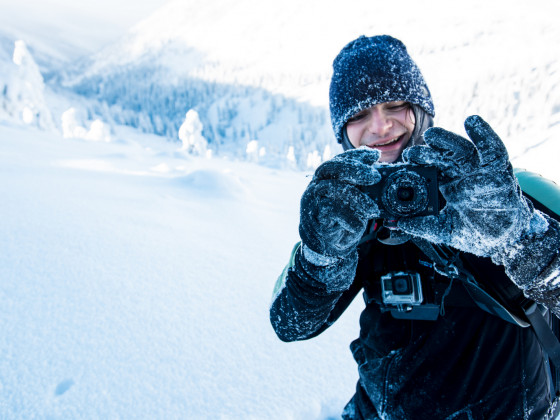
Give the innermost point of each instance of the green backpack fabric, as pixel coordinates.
(541, 190)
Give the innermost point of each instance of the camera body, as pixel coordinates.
(402, 295)
(401, 288)
(405, 190)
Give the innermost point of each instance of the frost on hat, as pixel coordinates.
(370, 71)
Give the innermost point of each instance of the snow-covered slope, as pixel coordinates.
(259, 71)
(135, 278)
(59, 31)
(136, 281)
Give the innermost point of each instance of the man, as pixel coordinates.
(448, 359)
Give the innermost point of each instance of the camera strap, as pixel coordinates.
(501, 303)
(444, 260)
(447, 262)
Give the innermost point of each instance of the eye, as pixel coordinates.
(357, 117)
(397, 106)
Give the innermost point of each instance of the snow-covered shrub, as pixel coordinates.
(190, 133)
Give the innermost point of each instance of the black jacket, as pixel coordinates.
(467, 364)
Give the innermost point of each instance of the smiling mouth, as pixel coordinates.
(387, 143)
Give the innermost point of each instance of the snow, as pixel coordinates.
(190, 133)
(68, 30)
(24, 88)
(137, 277)
(129, 292)
(260, 71)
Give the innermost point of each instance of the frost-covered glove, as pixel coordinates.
(334, 212)
(486, 213)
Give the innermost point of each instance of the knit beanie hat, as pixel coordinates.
(370, 71)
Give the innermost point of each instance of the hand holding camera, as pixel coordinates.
(405, 191)
(334, 211)
(485, 213)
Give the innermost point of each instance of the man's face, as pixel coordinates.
(386, 127)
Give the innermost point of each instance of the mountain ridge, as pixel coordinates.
(259, 71)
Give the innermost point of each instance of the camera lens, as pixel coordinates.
(405, 193)
(401, 286)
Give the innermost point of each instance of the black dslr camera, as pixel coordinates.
(405, 190)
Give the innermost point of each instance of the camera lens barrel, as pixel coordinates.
(405, 190)
(405, 193)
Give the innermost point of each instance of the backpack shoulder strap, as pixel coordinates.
(545, 195)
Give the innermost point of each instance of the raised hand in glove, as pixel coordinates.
(334, 212)
(486, 213)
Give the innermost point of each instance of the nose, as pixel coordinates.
(379, 122)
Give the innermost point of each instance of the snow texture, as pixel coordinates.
(23, 90)
(369, 71)
(131, 291)
(190, 133)
(247, 83)
(317, 259)
(136, 278)
(485, 213)
(334, 212)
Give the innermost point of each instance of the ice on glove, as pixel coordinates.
(486, 213)
(355, 167)
(334, 212)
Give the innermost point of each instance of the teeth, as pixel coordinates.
(389, 142)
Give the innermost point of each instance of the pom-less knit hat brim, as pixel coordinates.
(370, 71)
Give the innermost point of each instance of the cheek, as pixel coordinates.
(354, 133)
(411, 116)
(410, 121)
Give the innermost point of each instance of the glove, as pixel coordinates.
(486, 213)
(334, 212)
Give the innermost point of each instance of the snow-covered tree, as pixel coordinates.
(254, 152)
(22, 95)
(190, 133)
(313, 159)
(72, 127)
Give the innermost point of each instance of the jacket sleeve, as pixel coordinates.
(537, 270)
(536, 267)
(304, 301)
